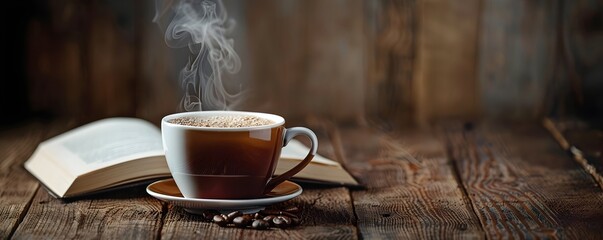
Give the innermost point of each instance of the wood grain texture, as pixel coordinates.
(129, 213)
(445, 70)
(307, 58)
(412, 191)
(516, 57)
(17, 186)
(522, 185)
(325, 213)
(124, 214)
(397, 61)
(390, 33)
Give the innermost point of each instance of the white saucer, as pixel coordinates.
(166, 190)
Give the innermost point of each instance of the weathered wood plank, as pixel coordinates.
(109, 57)
(129, 213)
(390, 30)
(445, 70)
(84, 66)
(325, 212)
(412, 191)
(516, 57)
(124, 214)
(306, 57)
(522, 185)
(17, 185)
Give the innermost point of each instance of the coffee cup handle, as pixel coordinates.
(290, 133)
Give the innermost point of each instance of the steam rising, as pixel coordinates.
(201, 26)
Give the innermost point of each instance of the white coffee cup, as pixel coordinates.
(229, 163)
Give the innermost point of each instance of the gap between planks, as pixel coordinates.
(452, 163)
(164, 212)
(333, 134)
(23, 213)
(408, 195)
(507, 173)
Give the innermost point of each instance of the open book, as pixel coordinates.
(120, 151)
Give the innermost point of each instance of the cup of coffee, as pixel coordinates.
(228, 154)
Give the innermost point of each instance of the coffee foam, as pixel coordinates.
(226, 121)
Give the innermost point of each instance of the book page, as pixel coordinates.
(297, 150)
(106, 142)
(98, 145)
(321, 169)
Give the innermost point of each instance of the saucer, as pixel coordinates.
(166, 190)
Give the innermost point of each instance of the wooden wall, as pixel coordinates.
(516, 56)
(447, 60)
(390, 62)
(307, 57)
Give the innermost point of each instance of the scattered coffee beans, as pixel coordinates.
(261, 220)
(292, 210)
(242, 221)
(231, 216)
(281, 221)
(269, 219)
(220, 220)
(260, 224)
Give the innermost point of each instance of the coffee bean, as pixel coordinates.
(233, 215)
(292, 210)
(286, 219)
(220, 220)
(281, 222)
(269, 218)
(260, 224)
(260, 220)
(242, 221)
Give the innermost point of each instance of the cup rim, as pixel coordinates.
(278, 120)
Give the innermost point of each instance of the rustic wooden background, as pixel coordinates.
(327, 63)
(389, 62)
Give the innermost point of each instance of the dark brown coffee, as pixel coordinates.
(227, 121)
(218, 164)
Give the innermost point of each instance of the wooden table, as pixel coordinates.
(453, 181)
